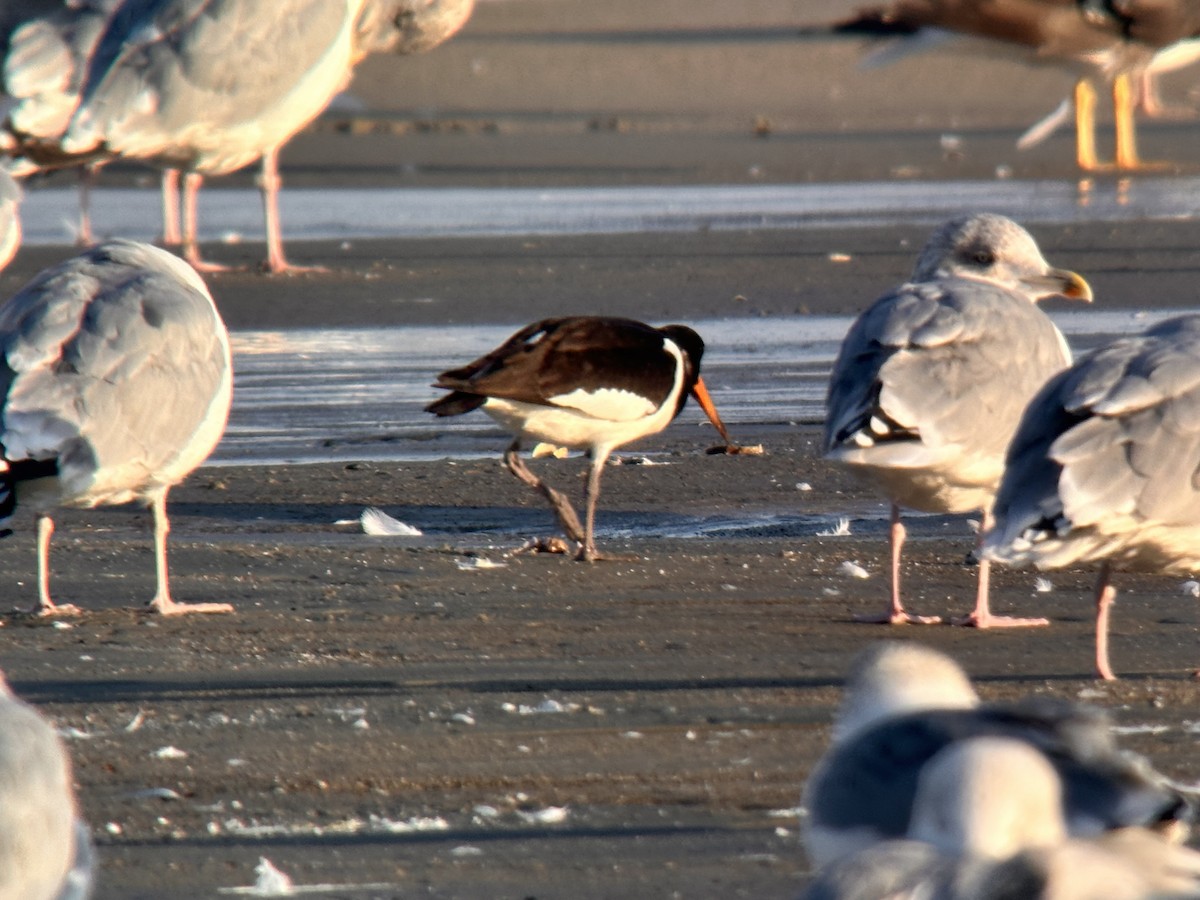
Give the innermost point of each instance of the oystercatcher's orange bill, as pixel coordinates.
(700, 392)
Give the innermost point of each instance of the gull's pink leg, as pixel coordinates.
(1106, 594)
(191, 247)
(46, 606)
(171, 235)
(87, 181)
(162, 601)
(895, 614)
(269, 183)
(982, 616)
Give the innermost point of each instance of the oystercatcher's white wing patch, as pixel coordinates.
(611, 404)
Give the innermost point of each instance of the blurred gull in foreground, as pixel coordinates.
(988, 824)
(116, 383)
(45, 849)
(931, 380)
(904, 704)
(1103, 467)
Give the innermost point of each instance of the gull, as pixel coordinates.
(988, 823)
(583, 382)
(931, 380)
(1103, 467)
(209, 86)
(116, 383)
(1118, 42)
(45, 848)
(904, 704)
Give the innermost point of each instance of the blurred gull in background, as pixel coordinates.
(1122, 43)
(209, 87)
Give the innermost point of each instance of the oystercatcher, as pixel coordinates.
(583, 382)
(932, 379)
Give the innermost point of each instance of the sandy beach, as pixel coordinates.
(438, 716)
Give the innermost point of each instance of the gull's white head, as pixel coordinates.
(992, 248)
(989, 797)
(897, 677)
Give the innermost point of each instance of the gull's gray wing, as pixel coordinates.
(114, 364)
(169, 72)
(937, 366)
(1106, 462)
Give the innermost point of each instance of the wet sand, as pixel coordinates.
(392, 712)
(387, 711)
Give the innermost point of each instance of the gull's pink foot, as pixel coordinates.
(898, 617)
(169, 607)
(974, 620)
(594, 555)
(204, 266)
(278, 267)
(54, 610)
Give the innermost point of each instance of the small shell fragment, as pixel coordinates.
(853, 570)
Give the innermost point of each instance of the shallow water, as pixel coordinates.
(49, 215)
(357, 394)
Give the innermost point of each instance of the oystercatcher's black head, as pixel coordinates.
(692, 346)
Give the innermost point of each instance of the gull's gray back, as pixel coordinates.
(1110, 450)
(955, 360)
(212, 83)
(115, 363)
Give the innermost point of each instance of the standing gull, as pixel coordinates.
(988, 823)
(931, 380)
(1114, 41)
(583, 382)
(904, 704)
(45, 848)
(115, 383)
(1103, 467)
(210, 86)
